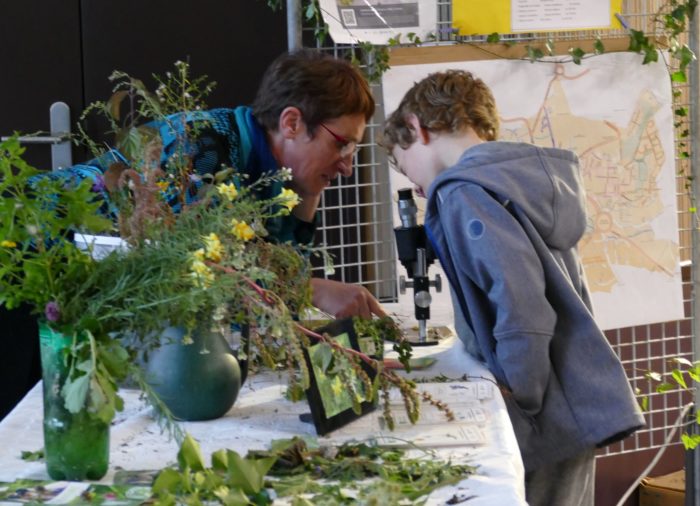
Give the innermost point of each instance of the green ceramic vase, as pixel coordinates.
(197, 381)
(76, 446)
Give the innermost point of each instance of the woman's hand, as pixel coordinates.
(342, 300)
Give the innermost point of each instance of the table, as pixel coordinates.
(261, 414)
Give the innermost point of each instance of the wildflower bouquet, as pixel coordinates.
(197, 255)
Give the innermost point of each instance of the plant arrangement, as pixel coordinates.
(195, 255)
(232, 274)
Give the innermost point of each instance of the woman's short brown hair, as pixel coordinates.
(320, 86)
(446, 101)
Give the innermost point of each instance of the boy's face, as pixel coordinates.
(417, 163)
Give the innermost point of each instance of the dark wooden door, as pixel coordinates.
(40, 63)
(65, 51)
(231, 41)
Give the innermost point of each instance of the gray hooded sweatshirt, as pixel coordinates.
(504, 222)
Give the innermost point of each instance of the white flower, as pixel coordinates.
(286, 174)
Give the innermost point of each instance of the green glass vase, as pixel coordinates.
(197, 381)
(76, 445)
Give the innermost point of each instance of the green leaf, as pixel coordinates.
(679, 77)
(598, 46)
(665, 387)
(577, 54)
(85, 366)
(693, 373)
(678, 13)
(690, 442)
(129, 142)
(248, 474)
(650, 55)
(310, 11)
(534, 53)
(493, 38)
(99, 404)
(114, 358)
(168, 480)
(323, 356)
(75, 392)
(685, 55)
(190, 455)
(678, 376)
(95, 223)
(32, 456)
(638, 41)
(293, 485)
(644, 404)
(219, 460)
(234, 497)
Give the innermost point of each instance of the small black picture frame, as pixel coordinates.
(330, 410)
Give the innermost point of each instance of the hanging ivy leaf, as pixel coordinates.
(679, 77)
(598, 46)
(534, 53)
(577, 54)
(310, 11)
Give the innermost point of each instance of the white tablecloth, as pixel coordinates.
(260, 415)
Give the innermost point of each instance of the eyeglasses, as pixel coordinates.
(346, 146)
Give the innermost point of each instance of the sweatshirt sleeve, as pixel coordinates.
(490, 248)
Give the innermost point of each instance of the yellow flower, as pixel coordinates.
(289, 198)
(228, 190)
(213, 248)
(200, 272)
(8, 244)
(162, 185)
(241, 230)
(199, 254)
(337, 386)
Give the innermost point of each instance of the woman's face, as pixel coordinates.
(316, 160)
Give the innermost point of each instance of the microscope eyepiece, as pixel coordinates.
(407, 208)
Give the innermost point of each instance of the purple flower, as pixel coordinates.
(99, 184)
(52, 311)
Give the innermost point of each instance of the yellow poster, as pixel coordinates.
(481, 17)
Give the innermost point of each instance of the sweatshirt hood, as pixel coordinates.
(543, 183)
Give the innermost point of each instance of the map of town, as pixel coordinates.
(617, 116)
(620, 165)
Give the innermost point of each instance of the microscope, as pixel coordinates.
(416, 255)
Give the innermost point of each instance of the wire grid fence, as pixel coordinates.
(357, 230)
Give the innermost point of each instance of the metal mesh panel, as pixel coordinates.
(357, 230)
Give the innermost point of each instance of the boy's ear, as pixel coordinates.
(290, 122)
(422, 135)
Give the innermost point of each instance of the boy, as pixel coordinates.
(504, 219)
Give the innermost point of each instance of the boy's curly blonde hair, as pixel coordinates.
(446, 101)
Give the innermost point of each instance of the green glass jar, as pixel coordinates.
(76, 446)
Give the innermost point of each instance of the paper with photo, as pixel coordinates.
(376, 21)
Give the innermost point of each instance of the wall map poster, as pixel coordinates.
(616, 114)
